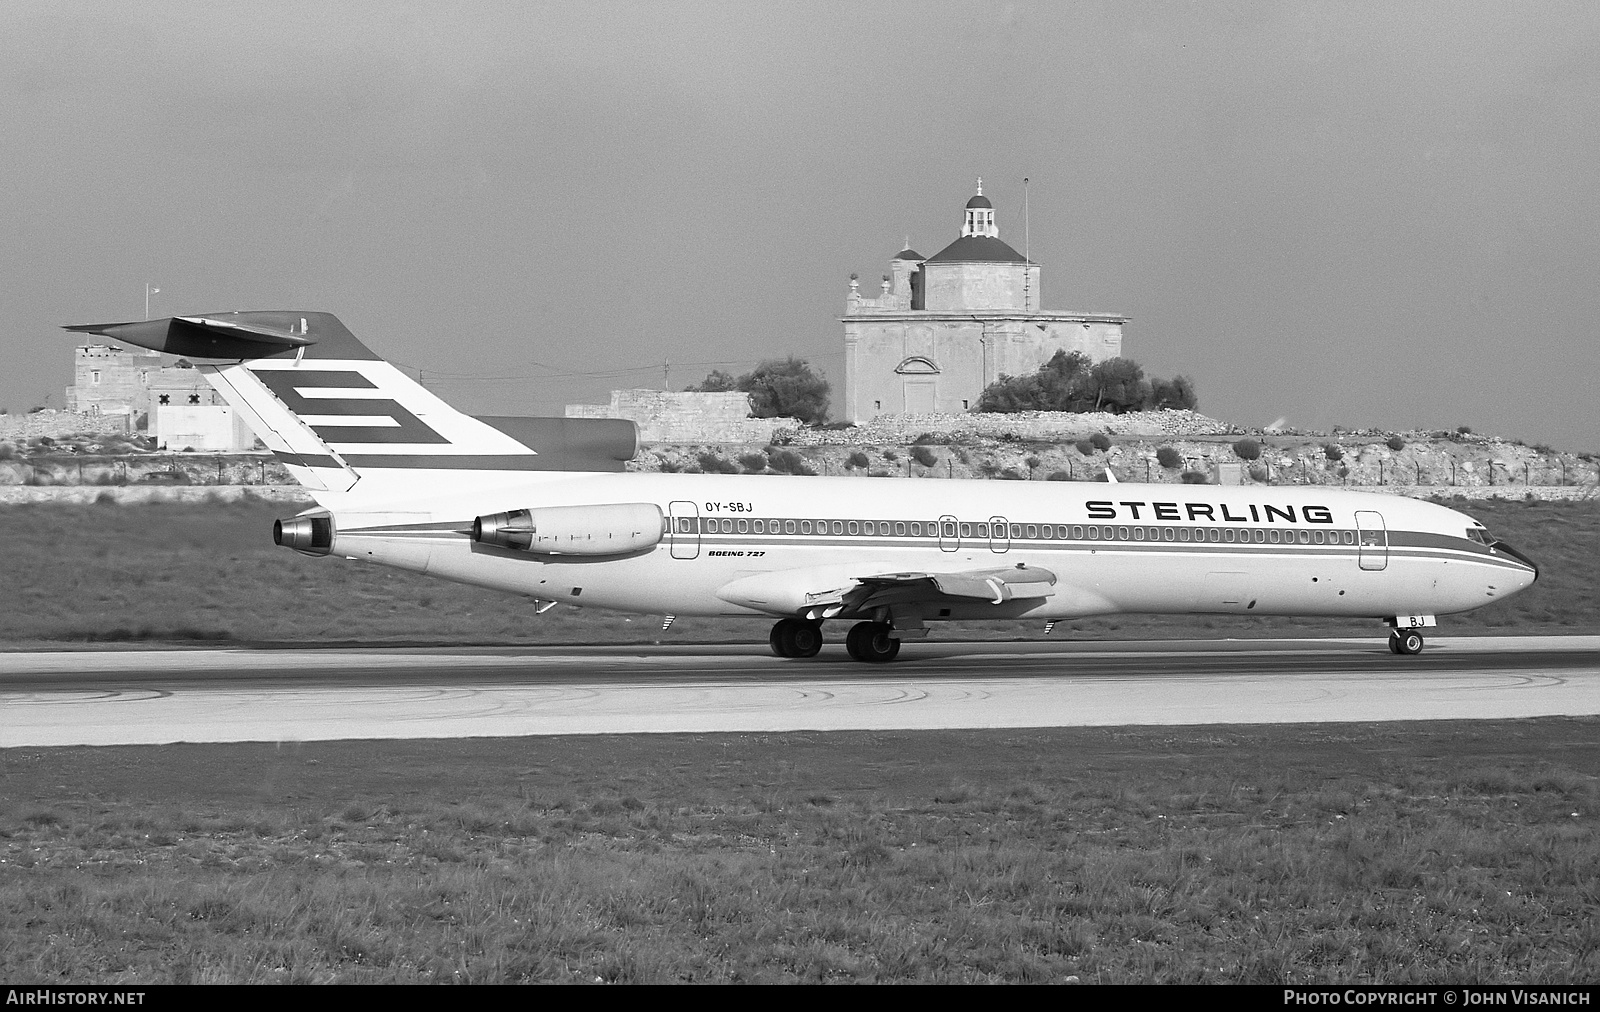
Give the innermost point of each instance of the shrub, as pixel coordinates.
(1247, 449)
(1012, 474)
(753, 462)
(856, 459)
(789, 462)
(928, 438)
(1258, 472)
(924, 456)
(1169, 457)
(1463, 430)
(1332, 451)
(1395, 443)
(1100, 441)
(1084, 447)
(712, 463)
(890, 456)
(1196, 478)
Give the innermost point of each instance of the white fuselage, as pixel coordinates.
(1115, 547)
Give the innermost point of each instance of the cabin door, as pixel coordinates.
(683, 527)
(999, 534)
(1372, 540)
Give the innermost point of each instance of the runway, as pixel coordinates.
(163, 696)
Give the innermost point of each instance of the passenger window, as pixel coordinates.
(1122, 533)
(1260, 536)
(759, 526)
(899, 530)
(966, 530)
(1216, 535)
(868, 527)
(838, 527)
(1319, 537)
(744, 527)
(1167, 534)
(983, 530)
(1094, 534)
(1183, 534)
(949, 529)
(1228, 535)
(1033, 530)
(805, 527)
(727, 526)
(916, 530)
(1138, 534)
(1077, 532)
(788, 527)
(854, 528)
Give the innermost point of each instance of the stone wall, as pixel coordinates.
(159, 468)
(686, 417)
(16, 428)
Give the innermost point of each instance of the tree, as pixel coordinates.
(716, 382)
(1119, 385)
(787, 388)
(777, 389)
(1176, 393)
(1070, 382)
(1247, 449)
(1061, 384)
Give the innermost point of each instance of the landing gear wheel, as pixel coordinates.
(1406, 641)
(871, 642)
(794, 638)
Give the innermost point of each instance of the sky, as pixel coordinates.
(1360, 214)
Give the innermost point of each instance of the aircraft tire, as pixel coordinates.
(1410, 642)
(775, 639)
(804, 639)
(872, 643)
(1394, 642)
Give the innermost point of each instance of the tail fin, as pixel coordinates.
(338, 415)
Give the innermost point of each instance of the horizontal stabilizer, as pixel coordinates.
(237, 336)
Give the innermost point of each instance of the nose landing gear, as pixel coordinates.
(1405, 641)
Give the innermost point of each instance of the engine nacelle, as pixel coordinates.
(605, 529)
(311, 535)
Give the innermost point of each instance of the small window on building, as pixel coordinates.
(165, 399)
(965, 404)
(877, 405)
(94, 376)
(194, 398)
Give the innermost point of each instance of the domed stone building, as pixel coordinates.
(946, 326)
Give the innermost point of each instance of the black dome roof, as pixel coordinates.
(979, 201)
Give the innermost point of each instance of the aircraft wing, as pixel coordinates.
(824, 592)
(996, 586)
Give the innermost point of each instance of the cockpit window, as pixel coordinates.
(1481, 536)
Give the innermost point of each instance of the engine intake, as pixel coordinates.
(605, 529)
(312, 535)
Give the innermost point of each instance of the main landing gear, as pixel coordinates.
(792, 637)
(871, 642)
(1405, 641)
(867, 641)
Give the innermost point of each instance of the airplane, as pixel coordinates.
(544, 508)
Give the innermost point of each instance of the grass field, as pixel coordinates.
(209, 572)
(1448, 851)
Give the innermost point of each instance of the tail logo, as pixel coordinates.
(359, 419)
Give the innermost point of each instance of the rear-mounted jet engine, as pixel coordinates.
(310, 535)
(609, 529)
